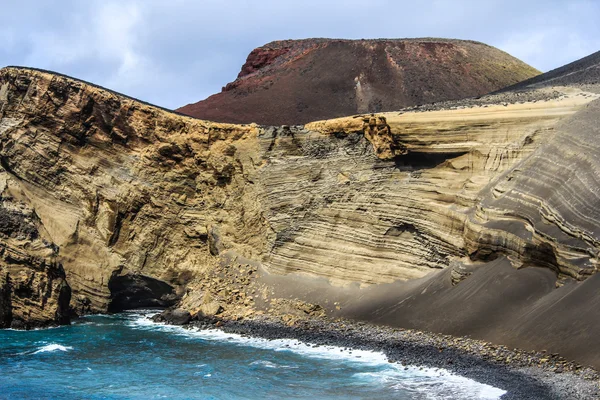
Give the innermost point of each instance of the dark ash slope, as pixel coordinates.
(585, 71)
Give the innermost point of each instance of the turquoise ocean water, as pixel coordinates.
(126, 356)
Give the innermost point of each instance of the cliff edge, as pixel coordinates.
(474, 218)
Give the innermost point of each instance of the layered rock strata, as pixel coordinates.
(142, 207)
(124, 189)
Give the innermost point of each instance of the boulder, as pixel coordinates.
(177, 316)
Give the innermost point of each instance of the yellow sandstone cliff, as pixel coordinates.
(124, 204)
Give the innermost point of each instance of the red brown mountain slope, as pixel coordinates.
(298, 81)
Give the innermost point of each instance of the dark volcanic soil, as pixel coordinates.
(585, 71)
(497, 303)
(298, 81)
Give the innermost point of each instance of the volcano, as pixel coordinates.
(293, 82)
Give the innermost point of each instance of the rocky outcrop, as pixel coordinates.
(173, 316)
(5, 300)
(299, 81)
(257, 59)
(33, 287)
(32, 292)
(344, 214)
(143, 207)
(544, 210)
(121, 189)
(132, 194)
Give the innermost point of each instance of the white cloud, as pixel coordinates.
(104, 34)
(179, 51)
(115, 35)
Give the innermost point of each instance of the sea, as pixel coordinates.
(127, 356)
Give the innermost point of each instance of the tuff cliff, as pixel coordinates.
(298, 81)
(33, 288)
(127, 195)
(143, 207)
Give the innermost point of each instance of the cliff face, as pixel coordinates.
(299, 81)
(341, 212)
(142, 207)
(33, 291)
(548, 203)
(33, 288)
(125, 192)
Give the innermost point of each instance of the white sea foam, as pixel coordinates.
(263, 363)
(52, 347)
(433, 383)
(269, 364)
(324, 352)
(45, 328)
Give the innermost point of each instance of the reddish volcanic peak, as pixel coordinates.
(297, 81)
(259, 58)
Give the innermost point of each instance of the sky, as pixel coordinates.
(175, 52)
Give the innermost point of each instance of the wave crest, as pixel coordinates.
(52, 347)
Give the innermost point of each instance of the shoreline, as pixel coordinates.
(523, 375)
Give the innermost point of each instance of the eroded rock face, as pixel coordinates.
(143, 207)
(33, 287)
(33, 291)
(353, 217)
(298, 81)
(5, 300)
(133, 190)
(548, 204)
(120, 186)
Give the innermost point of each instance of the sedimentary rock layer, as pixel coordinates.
(548, 203)
(298, 81)
(121, 188)
(142, 207)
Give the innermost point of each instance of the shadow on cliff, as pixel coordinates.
(416, 161)
(131, 291)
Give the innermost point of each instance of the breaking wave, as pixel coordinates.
(52, 347)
